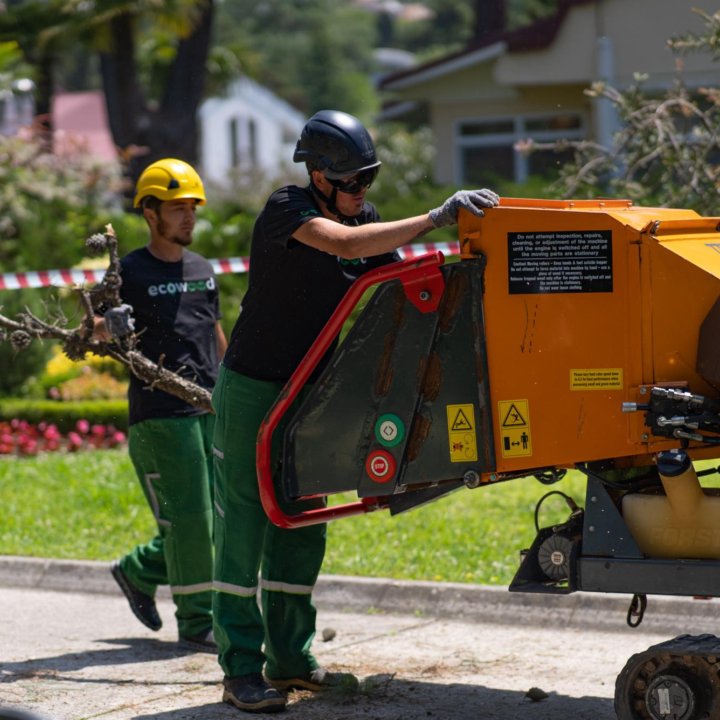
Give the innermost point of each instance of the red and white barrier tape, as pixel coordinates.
(237, 265)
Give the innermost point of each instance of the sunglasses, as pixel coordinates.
(356, 183)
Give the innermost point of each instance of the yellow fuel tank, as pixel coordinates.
(587, 305)
(682, 522)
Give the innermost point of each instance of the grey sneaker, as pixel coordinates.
(142, 605)
(252, 694)
(202, 642)
(319, 679)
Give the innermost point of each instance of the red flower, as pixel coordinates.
(82, 426)
(19, 436)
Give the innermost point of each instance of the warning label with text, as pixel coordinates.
(564, 261)
(596, 379)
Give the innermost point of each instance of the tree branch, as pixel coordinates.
(77, 342)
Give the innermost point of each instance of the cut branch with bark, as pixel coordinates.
(77, 342)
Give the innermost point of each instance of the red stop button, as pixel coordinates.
(380, 466)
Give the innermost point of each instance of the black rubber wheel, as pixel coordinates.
(668, 686)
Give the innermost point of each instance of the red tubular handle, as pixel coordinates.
(415, 274)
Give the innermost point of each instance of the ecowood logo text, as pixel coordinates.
(183, 286)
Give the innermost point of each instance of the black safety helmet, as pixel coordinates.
(337, 144)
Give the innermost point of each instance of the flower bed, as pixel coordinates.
(19, 437)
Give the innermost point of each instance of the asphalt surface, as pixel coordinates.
(70, 649)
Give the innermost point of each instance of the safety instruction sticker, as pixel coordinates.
(560, 261)
(596, 379)
(462, 437)
(515, 435)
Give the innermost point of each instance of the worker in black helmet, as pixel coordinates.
(309, 244)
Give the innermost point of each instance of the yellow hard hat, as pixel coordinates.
(169, 179)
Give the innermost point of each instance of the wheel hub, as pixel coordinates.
(669, 697)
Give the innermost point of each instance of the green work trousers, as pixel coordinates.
(173, 461)
(248, 544)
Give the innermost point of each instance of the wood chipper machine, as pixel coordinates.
(569, 335)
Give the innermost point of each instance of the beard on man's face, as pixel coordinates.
(184, 239)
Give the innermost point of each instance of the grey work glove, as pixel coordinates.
(472, 200)
(119, 321)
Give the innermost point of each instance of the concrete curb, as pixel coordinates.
(467, 603)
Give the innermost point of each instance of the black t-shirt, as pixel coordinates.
(176, 308)
(293, 288)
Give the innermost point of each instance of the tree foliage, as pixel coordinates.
(525, 12)
(47, 203)
(455, 24)
(320, 54)
(404, 185)
(151, 98)
(449, 29)
(315, 55)
(667, 151)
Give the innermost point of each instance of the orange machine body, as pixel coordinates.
(587, 305)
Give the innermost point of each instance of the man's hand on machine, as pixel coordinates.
(472, 200)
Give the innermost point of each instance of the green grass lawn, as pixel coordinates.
(90, 506)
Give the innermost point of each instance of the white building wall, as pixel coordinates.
(249, 131)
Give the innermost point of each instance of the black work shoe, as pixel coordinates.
(202, 642)
(319, 679)
(252, 694)
(142, 605)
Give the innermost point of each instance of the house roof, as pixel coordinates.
(80, 118)
(257, 99)
(540, 34)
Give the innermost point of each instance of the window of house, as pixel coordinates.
(483, 165)
(252, 142)
(486, 151)
(243, 142)
(289, 135)
(234, 142)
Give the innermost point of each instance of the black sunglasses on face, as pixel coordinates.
(356, 183)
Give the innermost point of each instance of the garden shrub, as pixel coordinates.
(65, 415)
(94, 378)
(49, 204)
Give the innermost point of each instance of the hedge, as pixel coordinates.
(66, 414)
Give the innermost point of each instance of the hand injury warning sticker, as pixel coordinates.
(515, 438)
(462, 438)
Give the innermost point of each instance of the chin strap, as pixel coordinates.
(330, 203)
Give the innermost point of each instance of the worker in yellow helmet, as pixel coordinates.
(170, 299)
(167, 180)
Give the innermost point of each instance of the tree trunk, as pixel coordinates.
(44, 126)
(184, 91)
(144, 134)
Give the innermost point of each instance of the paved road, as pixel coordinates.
(444, 652)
